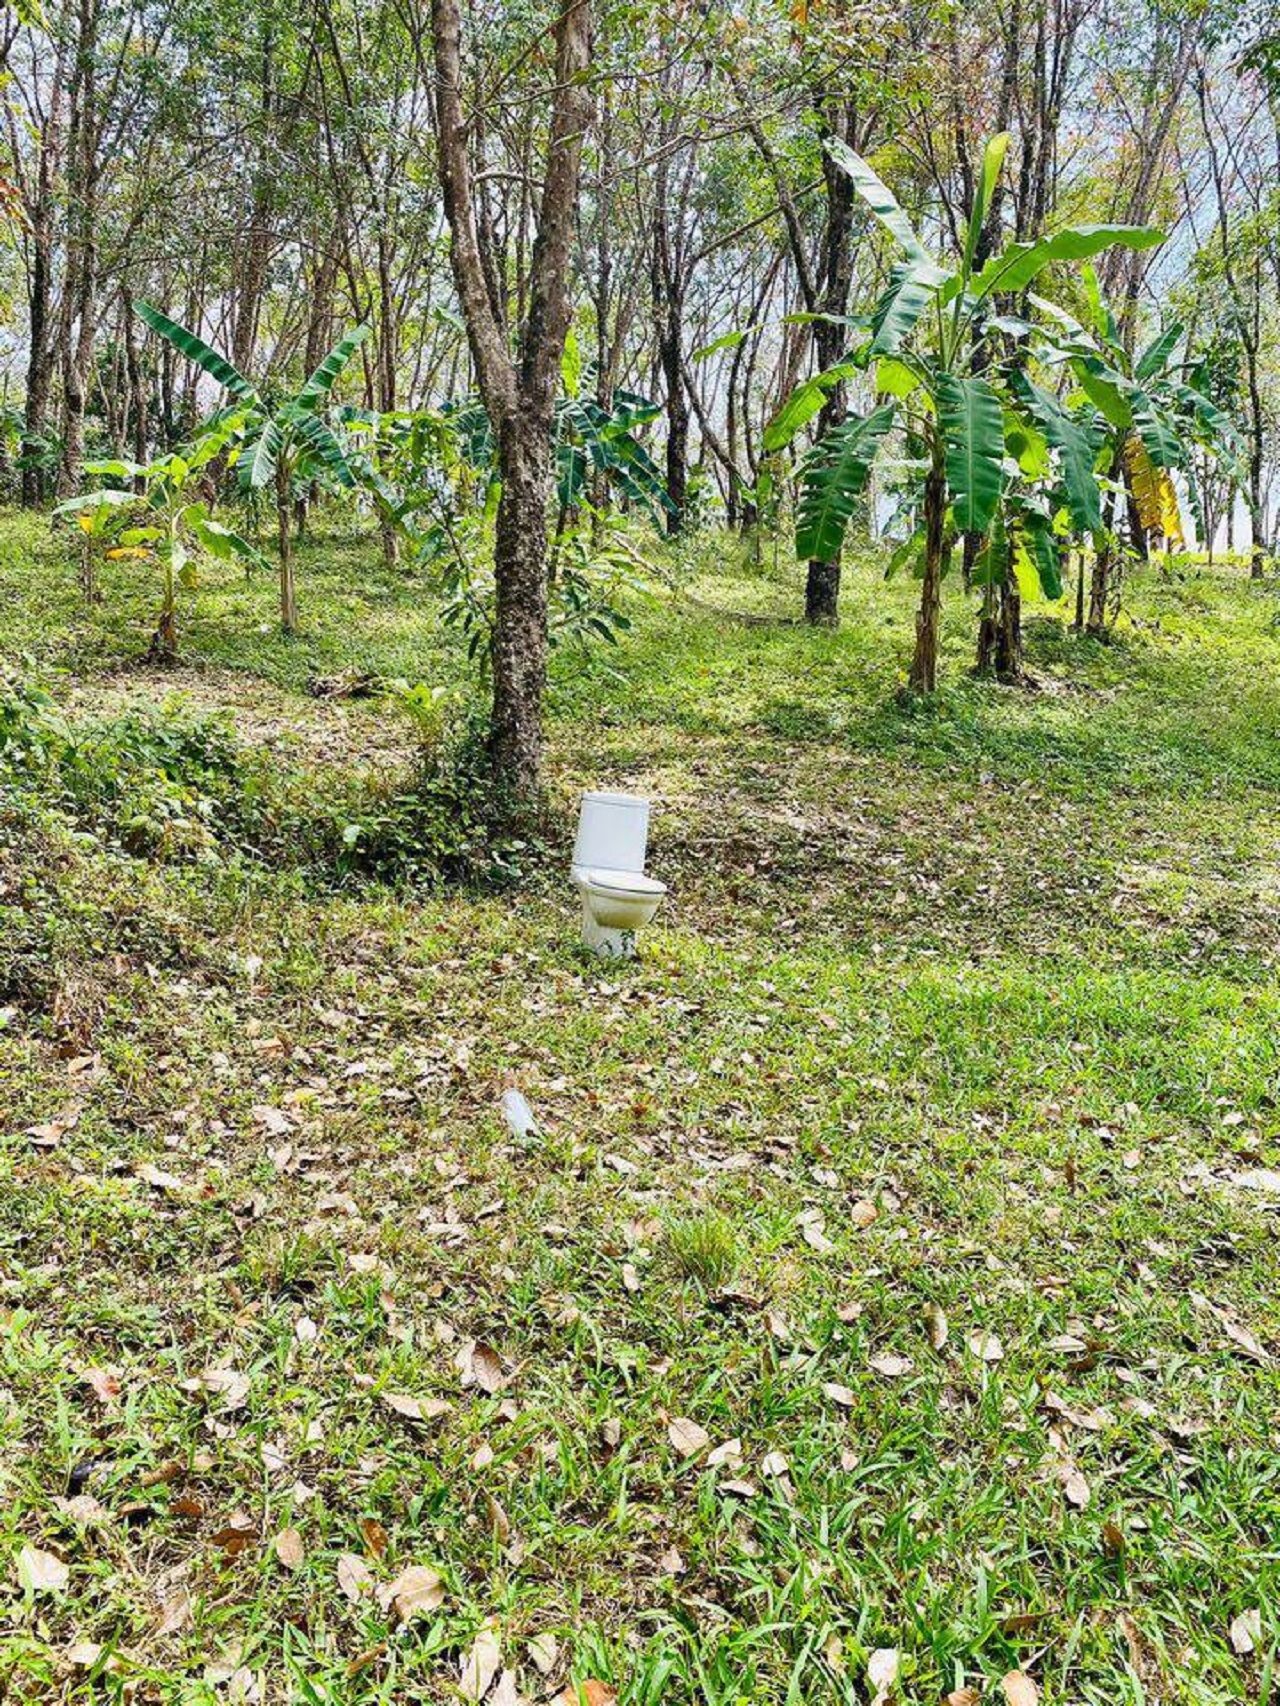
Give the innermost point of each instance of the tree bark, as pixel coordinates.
(288, 594)
(1000, 632)
(519, 642)
(1099, 585)
(669, 360)
(822, 579)
(40, 358)
(139, 423)
(923, 677)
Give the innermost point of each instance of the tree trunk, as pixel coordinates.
(519, 644)
(669, 358)
(1099, 590)
(1009, 656)
(924, 664)
(40, 359)
(288, 600)
(1078, 624)
(76, 384)
(822, 593)
(1257, 527)
(822, 579)
(1099, 586)
(519, 396)
(80, 289)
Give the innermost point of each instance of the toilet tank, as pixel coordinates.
(613, 833)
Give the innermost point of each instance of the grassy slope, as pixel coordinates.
(1004, 970)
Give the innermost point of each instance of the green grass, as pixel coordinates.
(1003, 968)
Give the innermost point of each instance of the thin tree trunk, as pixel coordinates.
(1099, 587)
(288, 597)
(923, 677)
(822, 578)
(40, 358)
(669, 359)
(1257, 525)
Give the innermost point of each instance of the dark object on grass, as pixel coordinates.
(350, 684)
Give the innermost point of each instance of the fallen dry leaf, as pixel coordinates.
(891, 1366)
(1019, 1690)
(687, 1437)
(175, 1614)
(104, 1385)
(963, 1697)
(480, 1365)
(589, 1692)
(414, 1591)
(739, 1489)
(416, 1409)
(729, 1453)
(1076, 1489)
(841, 1395)
(289, 1549)
(157, 1178)
(237, 1535)
(85, 1510)
(1240, 1336)
(882, 1673)
(225, 1383)
(1096, 1420)
(986, 1345)
(354, 1575)
(375, 1537)
(816, 1238)
(83, 1655)
(1258, 1179)
(41, 1572)
(1244, 1340)
(50, 1133)
(1246, 1631)
(862, 1214)
(543, 1650)
(480, 1665)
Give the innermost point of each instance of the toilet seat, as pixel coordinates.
(622, 883)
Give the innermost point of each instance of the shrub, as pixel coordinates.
(170, 785)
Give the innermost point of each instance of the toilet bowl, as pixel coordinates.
(608, 868)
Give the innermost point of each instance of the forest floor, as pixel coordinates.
(891, 1300)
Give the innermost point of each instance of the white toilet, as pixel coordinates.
(608, 868)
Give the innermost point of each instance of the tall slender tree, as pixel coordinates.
(518, 386)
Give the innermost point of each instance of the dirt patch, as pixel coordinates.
(339, 733)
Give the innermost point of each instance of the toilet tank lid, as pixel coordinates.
(616, 799)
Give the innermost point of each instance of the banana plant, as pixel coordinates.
(1151, 408)
(932, 344)
(97, 526)
(278, 441)
(167, 522)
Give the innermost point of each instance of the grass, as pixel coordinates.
(966, 1014)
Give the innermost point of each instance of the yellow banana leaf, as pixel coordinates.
(1154, 493)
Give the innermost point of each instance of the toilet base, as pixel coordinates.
(607, 943)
